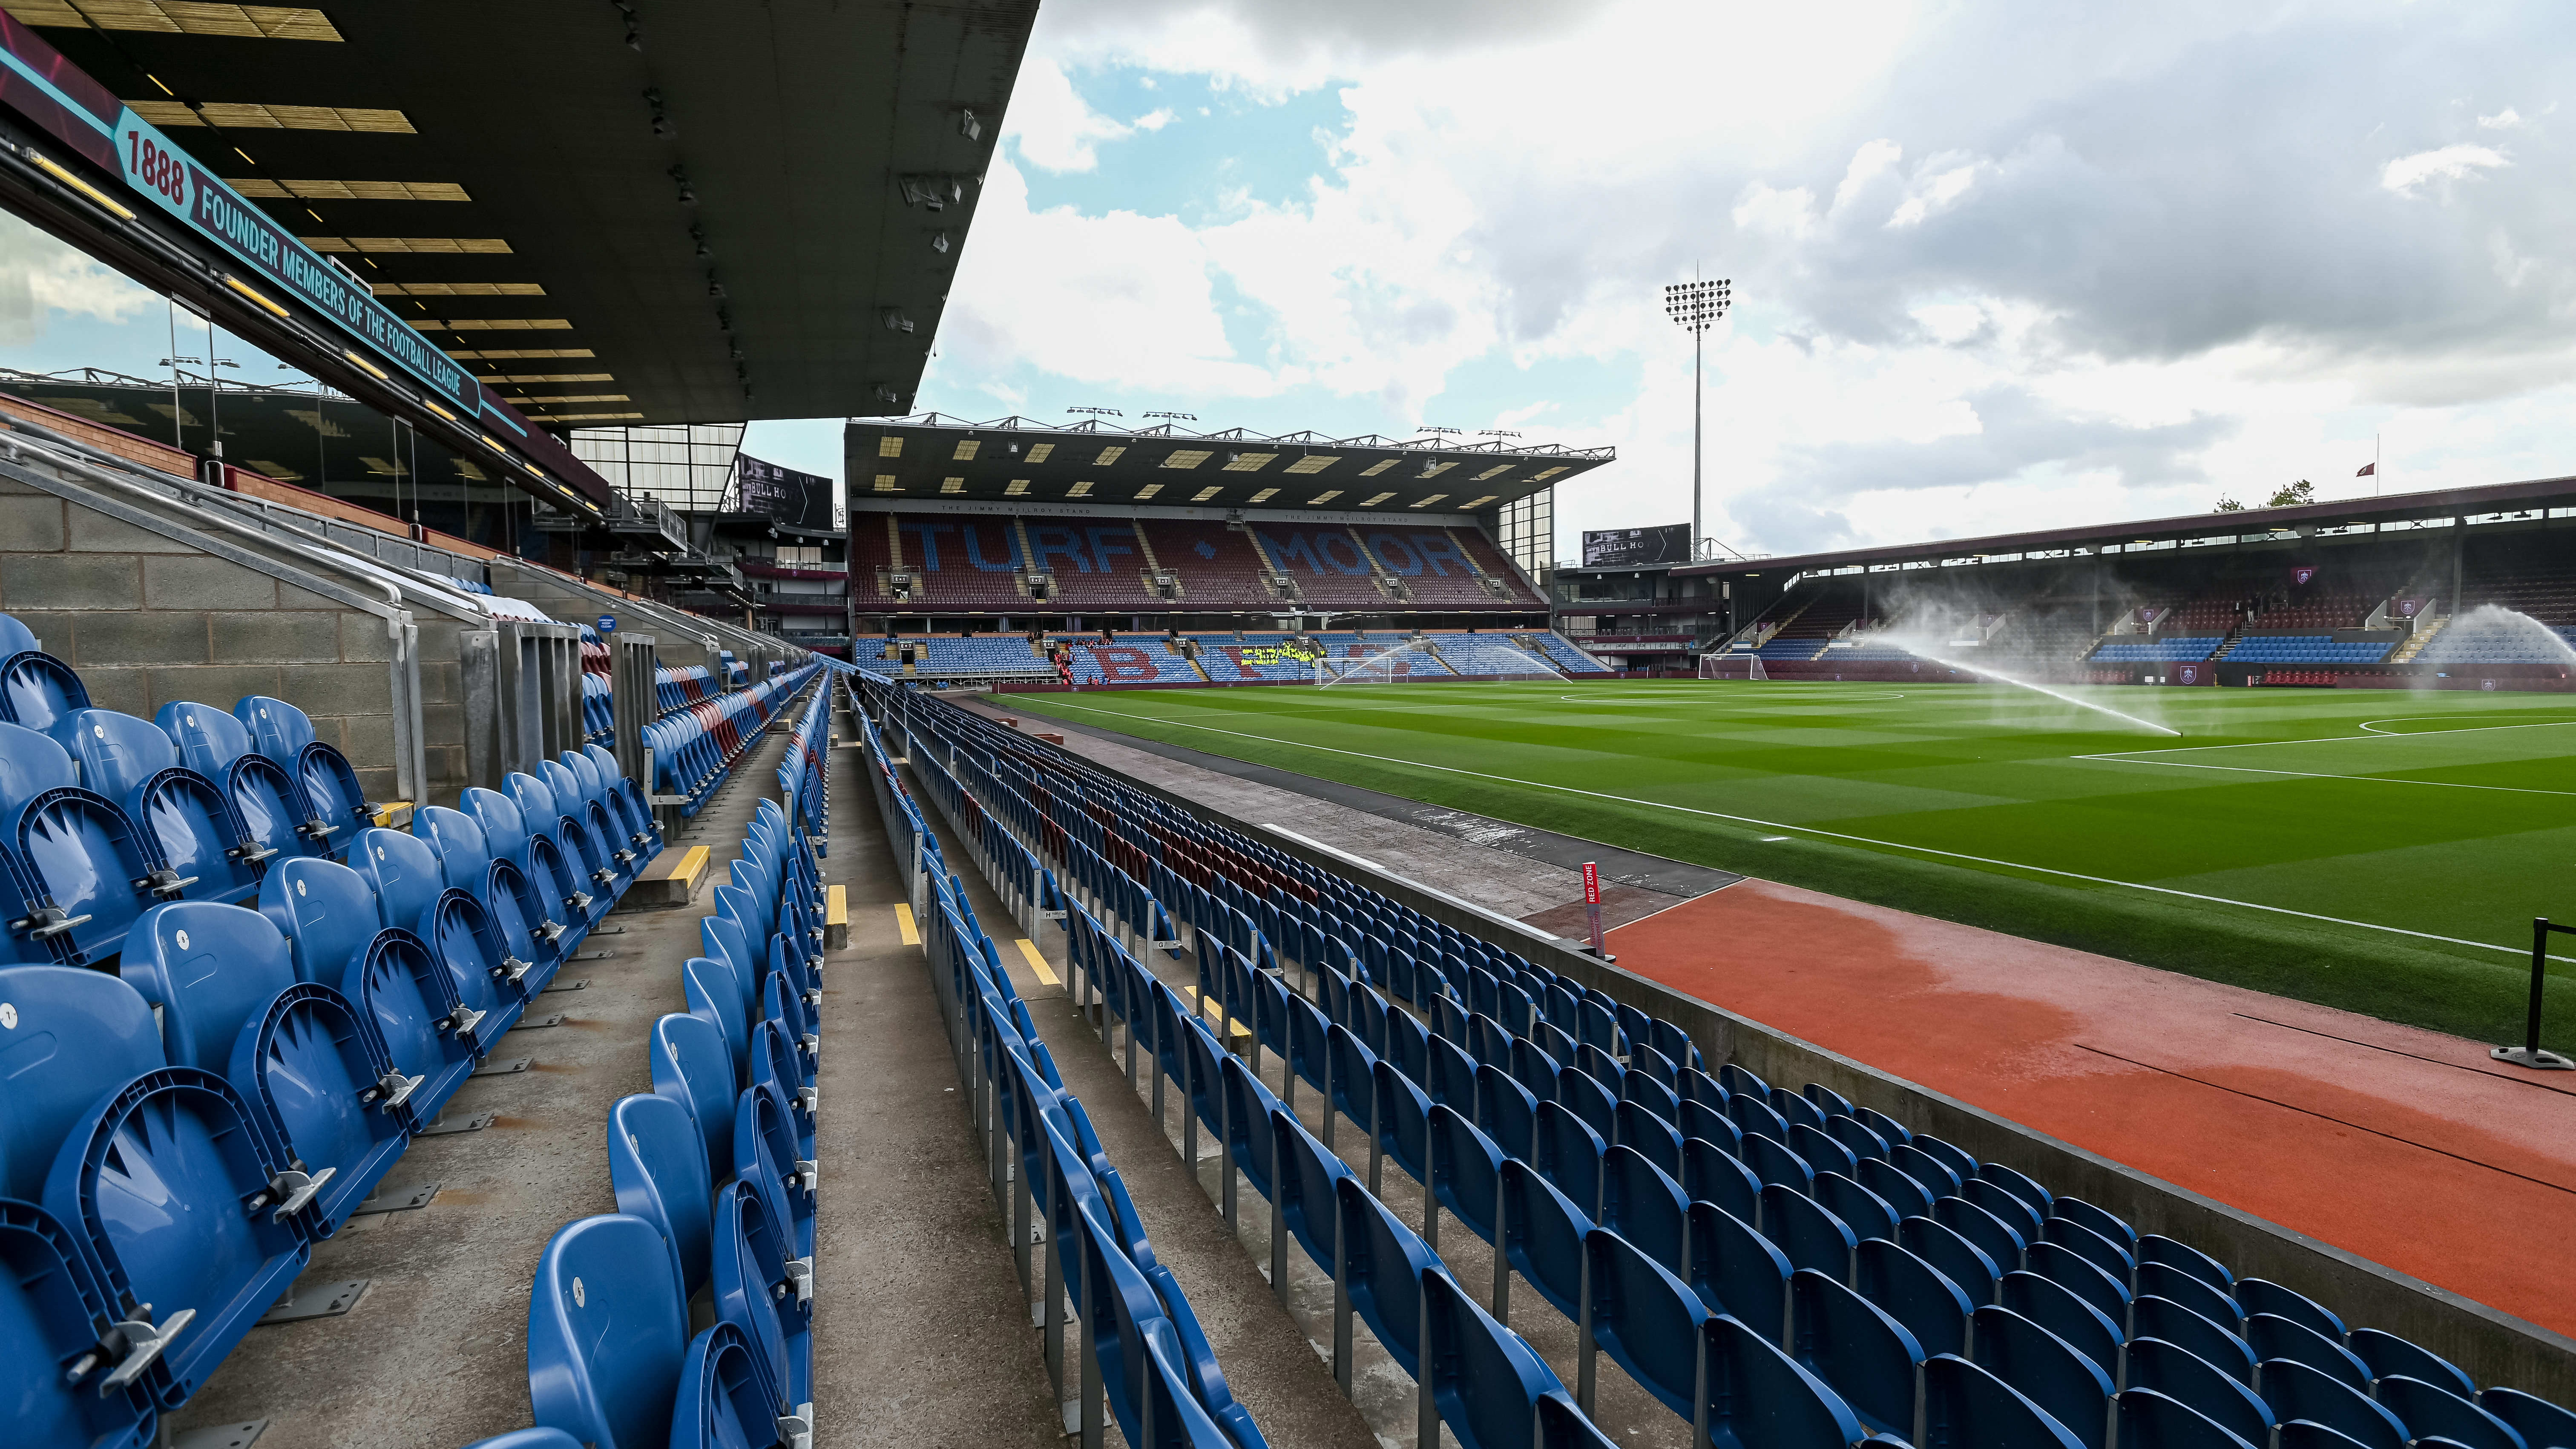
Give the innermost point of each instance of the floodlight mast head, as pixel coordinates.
(1695, 307)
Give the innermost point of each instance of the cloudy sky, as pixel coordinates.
(1994, 267)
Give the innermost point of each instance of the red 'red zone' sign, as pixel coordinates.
(1591, 883)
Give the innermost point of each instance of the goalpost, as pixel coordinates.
(1732, 665)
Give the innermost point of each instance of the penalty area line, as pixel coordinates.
(1838, 835)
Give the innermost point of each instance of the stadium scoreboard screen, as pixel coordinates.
(1624, 547)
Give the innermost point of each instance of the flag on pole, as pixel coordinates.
(2368, 470)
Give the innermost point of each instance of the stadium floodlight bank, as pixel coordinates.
(1732, 665)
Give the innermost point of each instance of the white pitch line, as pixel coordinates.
(2332, 739)
(2313, 775)
(1838, 835)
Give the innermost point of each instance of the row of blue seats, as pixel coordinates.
(696, 745)
(2160, 651)
(1499, 1392)
(1848, 1194)
(1142, 1358)
(716, 1176)
(175, 1136)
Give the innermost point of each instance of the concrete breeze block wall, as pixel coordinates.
(147, 620)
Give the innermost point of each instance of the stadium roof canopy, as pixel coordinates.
(2530, 501)
(613, 211)
(932, 457)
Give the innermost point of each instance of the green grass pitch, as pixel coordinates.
(2380, 851)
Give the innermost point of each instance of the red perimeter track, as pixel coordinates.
(2406, 1147)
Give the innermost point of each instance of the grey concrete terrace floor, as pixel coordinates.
(1276, 1360)
(434, 1353)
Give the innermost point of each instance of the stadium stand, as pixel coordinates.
(1117, 563)
(261, 1026)
(2304, 649)
(2157, 651)
(1774, 1263)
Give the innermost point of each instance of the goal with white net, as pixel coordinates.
(1732, 665)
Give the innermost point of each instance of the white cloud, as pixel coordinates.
(2450, 163)
(1993, 268)
(40, 276)
(1051, 124)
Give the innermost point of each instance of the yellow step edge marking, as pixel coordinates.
(1216, 1010)
(903, 923)
(1038, 962)
(836, 906)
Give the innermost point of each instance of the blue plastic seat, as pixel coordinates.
(1305, 1209)
(402, 870)
(2151, 1419)
(1757, 1397)
(1249, 1141)
(691, 1066)
(1962, 1262)
(15, 636)
(723, 1398)
(60, 1387)
(115, 752)
(37, 690)
(2430, 1410)
(756, 1290)
(326, 1091)
(1642, 1204)
(1871, 1360)
(1483, 1381)
(2273, 1337)
(1964, 1404)
(505, 830)
(277, 729)
(460, 934)
(2387, 1354)
(2192, 1380)
(1466, 1173)
(209, 969)
(335, 801)
(1646, 1319)
(209, 739)
(427, 1030)
(2152, 1317)
(2156, 1248)
(181, 1134)
(78, 1036)
(464, 859)
(1737, 1272)
(1379, 1277)
(710, 988)
(327, 912)
(190, 823)
(658, 1165)
(764, 1154)
(540, 1438)
(2537, 1420)
(2069, 1387)
(607, 1333)
(1543, 1234)
(1116, 1303)
(271, 807)
(83, 855)
(2294, 1390)
(1807, 1232)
